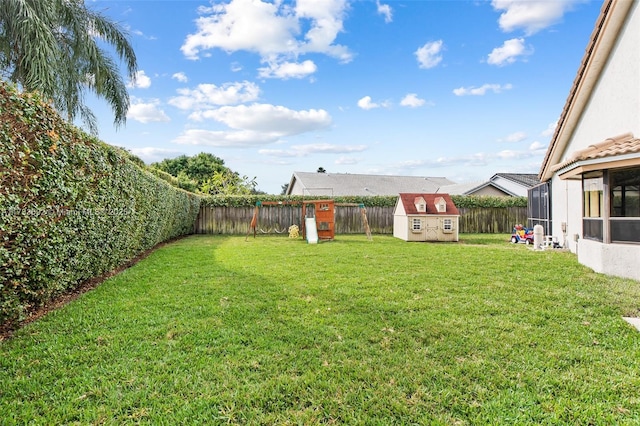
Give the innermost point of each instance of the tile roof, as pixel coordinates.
(611, 147)
(408, 201)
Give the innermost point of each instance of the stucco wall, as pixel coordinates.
(613, 109)
(566, 207)
(620, 260)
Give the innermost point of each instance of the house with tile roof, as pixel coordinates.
(425, 217)
(590, 192)
(346, 184)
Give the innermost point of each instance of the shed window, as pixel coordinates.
(447, 225)
(417, 224)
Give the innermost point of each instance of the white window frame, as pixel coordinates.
(416, 224)
(447, 225)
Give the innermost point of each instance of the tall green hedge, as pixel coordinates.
(71, 206)
(466, 201)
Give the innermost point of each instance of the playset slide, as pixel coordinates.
(311, 230)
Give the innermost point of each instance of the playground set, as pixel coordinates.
(319, 226)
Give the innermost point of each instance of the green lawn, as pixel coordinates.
(217, 330)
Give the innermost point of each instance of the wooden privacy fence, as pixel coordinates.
(278, 219)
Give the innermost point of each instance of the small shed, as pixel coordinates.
(425, 217)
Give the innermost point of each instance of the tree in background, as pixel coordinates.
(208, 174)
(284, 189)
(55, 47)
(321, 170)
(228, 183)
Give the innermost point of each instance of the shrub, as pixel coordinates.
(71, 206)
(461, 201)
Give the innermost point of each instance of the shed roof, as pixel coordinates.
(408, 201)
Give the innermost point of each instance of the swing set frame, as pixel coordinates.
(324, 212)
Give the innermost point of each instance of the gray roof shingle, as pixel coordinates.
(528, 180)
(345, 184)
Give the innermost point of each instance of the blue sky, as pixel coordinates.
(460, 89)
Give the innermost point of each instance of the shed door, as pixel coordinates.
(432, 229)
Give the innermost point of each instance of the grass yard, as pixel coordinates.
(217, 330)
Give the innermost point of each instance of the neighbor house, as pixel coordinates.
(590, 192)
(499, 185)
(425, 217)
(346, 184)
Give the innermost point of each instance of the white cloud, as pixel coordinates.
(286, 70)
(133, 31)
(305, 150)
(537, 146)
(140, 81)
(479, 159)
(385, 10)
(429, 55)
(242, 25)
(228, 139)
(180, 76)
(531, 16)
(271, 29)
(147, 112)
(209, 95)
(270, 118)
(509, 52)
(515, 137)
(345, 161)
(256, 124)
(482, 90)
(412, 100)
(366, 103)
(509, 154)
(153, 155)
(549, 131)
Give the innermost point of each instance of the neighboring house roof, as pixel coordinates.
(462, 188)
(518, 181)
(345, 184)
(603, 38)
(598, 153)
(408, 201)
(528, 180)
